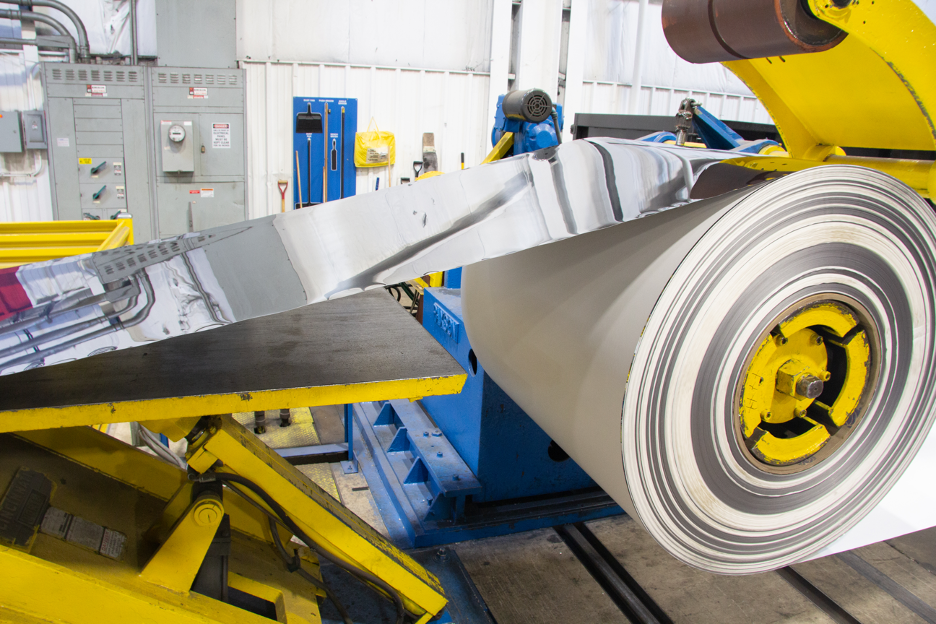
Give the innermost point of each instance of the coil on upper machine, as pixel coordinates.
(708, 31)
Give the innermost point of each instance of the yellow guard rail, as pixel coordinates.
(35, 241)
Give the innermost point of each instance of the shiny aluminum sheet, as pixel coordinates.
(67, 309)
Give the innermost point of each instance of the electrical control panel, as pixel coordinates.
(11, 137)
(198, 116)
(97, 137)
(162, 143)
(34, 133)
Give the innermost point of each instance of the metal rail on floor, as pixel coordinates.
(817, 597)
(626, 593)
(892, 587)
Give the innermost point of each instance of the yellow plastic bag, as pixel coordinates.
(374, 148)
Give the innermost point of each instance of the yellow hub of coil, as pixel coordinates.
(804, 383)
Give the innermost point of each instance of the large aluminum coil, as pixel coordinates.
(628, 346)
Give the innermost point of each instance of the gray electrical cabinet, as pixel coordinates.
(11, 139)
(198, 117)
(98, 141)
(164, 144)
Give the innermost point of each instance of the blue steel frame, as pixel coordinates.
(470, 465)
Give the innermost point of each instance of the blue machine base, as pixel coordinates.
(421, 508)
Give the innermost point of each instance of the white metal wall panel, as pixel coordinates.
(453, 35)
(405, 101)
(24, 178)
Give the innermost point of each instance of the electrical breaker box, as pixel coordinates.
(198, 117)
(11, 139)
(34, 130)
(98, 141)
(164, 144)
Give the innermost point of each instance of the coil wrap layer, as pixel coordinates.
(630, 347)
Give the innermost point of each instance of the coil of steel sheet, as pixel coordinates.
(747, 375)
(707, 31)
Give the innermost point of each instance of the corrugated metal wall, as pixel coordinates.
(24, 178)
(405, 101)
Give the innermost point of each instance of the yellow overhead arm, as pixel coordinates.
(876, 89)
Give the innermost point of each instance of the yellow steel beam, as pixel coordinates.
(22, 243)
(68, 239)
(175, 564)
(96, 596)
(920, 175)
(197, 406)
(876, 89)
(144, 472)
(502, 147)
(58, 227)
(334, 528)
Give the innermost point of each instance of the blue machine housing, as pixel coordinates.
(471, 465)
(339, 163)
(528, 137)
(510, 454)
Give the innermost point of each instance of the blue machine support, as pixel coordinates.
(350, 466)
(471, 465)
(715, 133)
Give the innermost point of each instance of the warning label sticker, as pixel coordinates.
(85, 533)
(207, 192)
(113, 543)
(55, 522)
(221, 136)
(96, 90)
(198, 93)
(85, 161)
(194, 192)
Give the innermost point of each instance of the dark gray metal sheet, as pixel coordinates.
(365, 338)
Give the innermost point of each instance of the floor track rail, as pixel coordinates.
(818, 597)
(626, 593)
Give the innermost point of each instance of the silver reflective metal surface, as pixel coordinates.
(627, 348)
(115, 299)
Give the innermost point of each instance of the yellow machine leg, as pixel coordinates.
(177, 561)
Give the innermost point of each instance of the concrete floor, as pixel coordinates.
(533, 577)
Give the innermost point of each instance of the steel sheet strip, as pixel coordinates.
(115, 299)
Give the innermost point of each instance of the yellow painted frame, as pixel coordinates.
(36, 241)
(197, 406)
(876, 89)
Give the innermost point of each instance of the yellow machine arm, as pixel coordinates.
(875, 89)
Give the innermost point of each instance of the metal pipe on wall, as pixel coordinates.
(84, 50)
(40, 17)
(133, 32)
(633, 102)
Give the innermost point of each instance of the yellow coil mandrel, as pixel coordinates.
(805, 385)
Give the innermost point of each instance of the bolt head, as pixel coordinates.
(809, 386)
(439, 454)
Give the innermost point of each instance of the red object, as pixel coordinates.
(13, 297)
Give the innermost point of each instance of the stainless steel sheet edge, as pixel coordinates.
(79, 306)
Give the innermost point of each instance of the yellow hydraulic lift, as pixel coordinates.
(122, 536)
